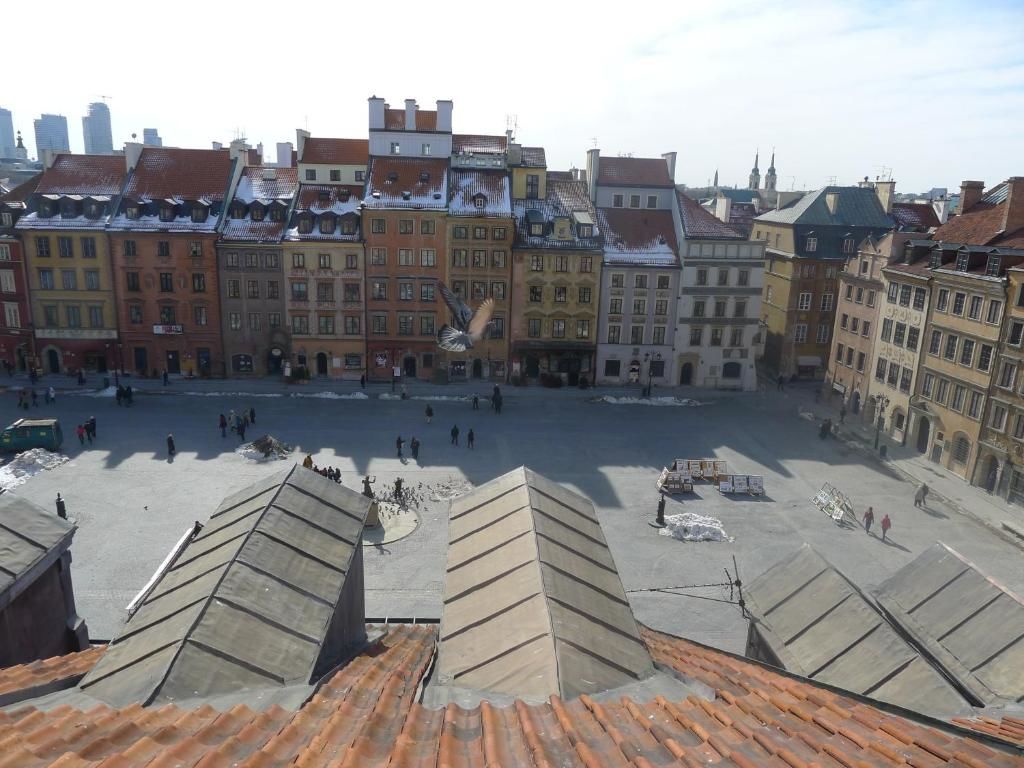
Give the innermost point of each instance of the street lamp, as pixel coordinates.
(650, 370)
(881, 403)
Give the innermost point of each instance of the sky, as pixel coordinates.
(929, 92)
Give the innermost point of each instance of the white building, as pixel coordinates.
(410, 132)
(96, 130)
(718, 337)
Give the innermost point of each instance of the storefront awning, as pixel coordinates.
(808, 361)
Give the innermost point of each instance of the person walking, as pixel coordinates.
(398, 445)
(232, 419)
(170, 446)
(308, 461)
(886, 525)
(476, 403)
(62, 510)
(470, 439)
(241, 429)
(842, 414)
(430, 413)
(91, 426)
(35, 398)
(497, 403)
(660, 519)
(53, 395)
(455, 434)
(167, 379)
(119, 395)
(398, 490)
(362, 381)
(414, 446)
(80, 430)
(223, 424)
(128, 395)
(921, 495)
(780, 384)
(252, 415)
(869, 518)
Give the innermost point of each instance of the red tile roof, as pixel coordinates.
(44, 672)
(633, 172)
(1007, 729)
(915, 215)
(982, 224)
(390, 177)
(84, 175)
(336, 151)
(640, 232)
(699, 224)
(394, 120)
(365, 715)
(476, 143)
(190, 174)
(23, 191)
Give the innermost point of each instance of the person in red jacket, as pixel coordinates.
(886, 525)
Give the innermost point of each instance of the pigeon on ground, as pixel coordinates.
(468, 326)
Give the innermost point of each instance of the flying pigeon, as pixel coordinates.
(468, 326)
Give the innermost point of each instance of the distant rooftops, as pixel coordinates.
(335, 151)
(634, 172)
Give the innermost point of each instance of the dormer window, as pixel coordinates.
(935, 260)
(238, 211)
(344, 195)
(396, 148)
(199, 214)
(392, 177)
(424, 177)
(327, 225)
(348, 225)
(536, 230)
(132, 212)
(811, 244)
(68, 209)
(166, 213)
(93, 210)
(257, 212)
(406, 195)
(426, 148)
(479, 201)
(848, 245)
(45, 209)
(276, 214)
(305, 225)
(962, 260)
(992, 267)
(585, 230)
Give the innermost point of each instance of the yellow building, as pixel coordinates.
(68, 263)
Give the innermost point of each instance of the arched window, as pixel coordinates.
(731, 370)
(961, 449)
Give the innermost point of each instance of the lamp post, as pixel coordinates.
(650, 371)
(881, 403)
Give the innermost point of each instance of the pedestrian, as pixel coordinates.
(92, 426)
(405, 393)
(128, 394)
(496, 402)
(495, 397)
(886, 525)
(170, 446)
(245, 418)
(241, 431)
(232, 419)
(920, 495)
(46, 396)
(252, 415)
(476, 403)
(470, 438)
(362, 381)
(80, 429)
(781, 383)
(842, 414)
(308, 461)
(398, 444)
(62, 511)
(119, 395)
(166, 378)
(35, 398)
(414, 446)
(81, 377)
(869, 518)
(398, 490)
(368, 486)
(53, 395)
(430, 413)
(660, 519)
(455, 434)
(223, 424)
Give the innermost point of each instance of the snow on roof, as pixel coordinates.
(468, 143)
(317, 201)
(564, 198)
(479, 193)
(407, 182)
(254, 184)
(84, 175)
(638, 237)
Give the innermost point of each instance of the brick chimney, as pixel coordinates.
(885, 191)
(410, 114)
(970, 193)
(1013, 216)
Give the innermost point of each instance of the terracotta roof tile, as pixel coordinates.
(336, 151)
(394, 120)
(634, 236)
(699, 224)
(23, 191)
(1007, 728)
(633, 172)
(915, 215)
(47, 671)
(83, 175)
(982, 224)
(189, 174)
(407, 182)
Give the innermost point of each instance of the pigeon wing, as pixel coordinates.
(461, 314)
(453, 339)
(482, 316)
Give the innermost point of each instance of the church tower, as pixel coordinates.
(755, 175)
(716, 179)
(770, 177)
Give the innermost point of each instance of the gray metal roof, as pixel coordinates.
(970, 625)
(533, 603)
(30, 539)
(820, 626)
(248, 603)
(856, 207)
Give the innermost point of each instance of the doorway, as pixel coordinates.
(686, 375)
(321, 364)
(275, 361)
(173, 362)
(532, 366)
(409, 366)
(478, 368)
(53, 360)
(990, 474)
(634, 372)
(855, 403)
(141, 361)
(923, 432)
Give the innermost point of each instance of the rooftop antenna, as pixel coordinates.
(512, 123)
(732, 581)
(885, 173)
(832, 181)
(593, 142)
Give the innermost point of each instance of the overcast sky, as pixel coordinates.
(932, 90)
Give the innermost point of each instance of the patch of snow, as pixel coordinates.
(228, 394)
(332, 395)
(433, 398)
(265, 448)
(653, 401)
(690, 526)
(450, 489)
(108, 392)
(28, 464)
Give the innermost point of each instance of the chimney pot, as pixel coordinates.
(593, 168)
(410, 114)
(970, 194)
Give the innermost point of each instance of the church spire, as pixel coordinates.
(770, 178)
(755, 174)
(716, 178)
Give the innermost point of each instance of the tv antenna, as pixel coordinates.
(512, 123)
(885, 173)
(732, 581)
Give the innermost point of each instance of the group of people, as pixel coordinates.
(920, 500)
(414, 446)
(124, 395)
(86, 431)
(331, 473)
(237, 422)
(26, 396)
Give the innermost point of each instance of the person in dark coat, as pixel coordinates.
(430, 413)
(398, 490)
(62, 510)
(660, 519)
(166, 378)
(362, 381)
(91, 426)
(170, 446)
(414, 446)
(476, 403)
(223, 424)
(470, 439)
(368, 486)
(869, 518)
(35, 399)
(497, 402)
(399, 442)
(119, 395)
(128, 394)
(455, 435)
(252, 415)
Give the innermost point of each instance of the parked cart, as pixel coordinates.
(750, 484)
(835, 504)
(676, 478)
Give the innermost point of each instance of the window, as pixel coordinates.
(406, 257)
(51, 315)
(428, 227)
(702, 278)
(696, 335)
(967, 352)
(634, 201)
(558, 329)
(849, 357)
(325, 325)
(324, 291)
(479, 233)
(167, 282)
(479, 259)
(199, 315)
(899, 334)
(800, 332)
(723, 277)
(1016, 333)
(274, 289)
(826, 302)
(405, 226)
(351, 260)
(905, 294)
(533, 329)
(235, 320)
(73, 315)
(720, 307)
(583, 329)
(935, 343)
(854, 324)
(959, 395)
(941, 391)
(844, 321)
(380, 324)
(427, 326)
(913, 335)
(198, 282)
(994, 309)
(427, 291)
(893, 377)
(997, 420)
(618, 280)
(959, 299)
(405, 292)
(251, 261)
(536, 294)
(65, 247)
(351, 325)
(300, 324)
(428, 257)
(379, 290)
(804, 302)
(942, 300)
(735, 337)
(310, 174)
(617, 200)
(561, 263)
(254, 321)
(252, 289)
(860, 296)
(860, 362)
(274, 319)
(584, 295)
(894, 292)
(636, 334)
(865, 328)
(849, 292)
(7, 281)
(234, 290)
(1007, 374)
(479, 290)
(812, 244)
(985, 357)
(586, 264)
(163, 249)
(324, 260)
(652, 201)
(927, 385)
(459, 288)
(823, 332)
(532, 186)
(89, 247)
(919, 296)
(848, 248)
(839, 352)
(396, 148)
(300, 291)
(974, 405)
(378, 226)
(537, 263)
(298, 261)
(951, 344)
(43, 247)
(661, 307)
(716, 337)
(95, 317)
(614, 333)
(92, 280)
(974, 307)
(871, 298)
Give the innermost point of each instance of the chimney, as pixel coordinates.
(515, 154)
(832, 201)
(49, 157)
(670, 160)
(508, 135)
(593, 165)
(239, 150)
(132, 151)
(377, 107)
(885, 191)
(1013, 216)
(970, 193)
(444, 116)
(300, 141)
(410, 114)
(723, 208)
(941, 206)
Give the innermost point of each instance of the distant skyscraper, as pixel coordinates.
(151, 137)
(51, 133)
(96, 130)
(284, 154)
(6, 133)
